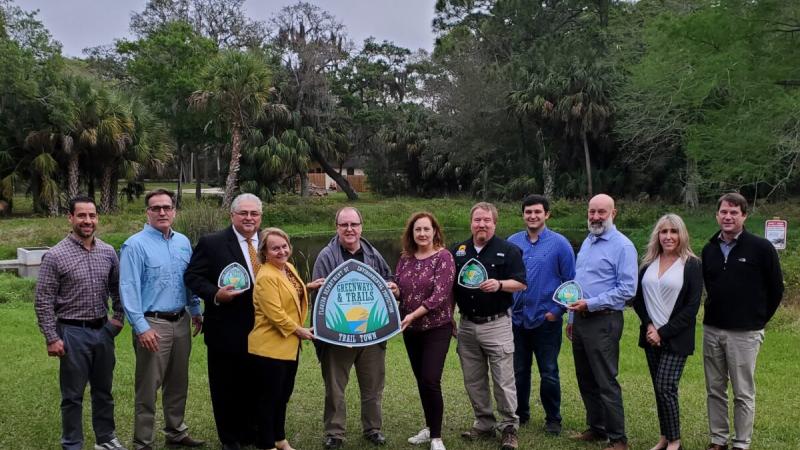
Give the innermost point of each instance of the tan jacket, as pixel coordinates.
(278, 313)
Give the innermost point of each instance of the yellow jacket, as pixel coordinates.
(279, 312)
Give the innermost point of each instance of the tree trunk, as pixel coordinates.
(190, 172)
(179, 188)
(73, 168)
(588, 165)
(219, 165)
(90, 186)
(548, 180)
(105, 190)
(197, 181)
(690, 196)
(303, 183)
(114, 191)
(233, 169)
(337, 177)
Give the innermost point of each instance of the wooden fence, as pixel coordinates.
(358, 182)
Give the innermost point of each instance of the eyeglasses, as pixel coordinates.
(345, 226)
(159, 208)
(248, 213)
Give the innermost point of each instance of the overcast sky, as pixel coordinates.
(78, 24)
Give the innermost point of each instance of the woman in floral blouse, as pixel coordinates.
(424, 278)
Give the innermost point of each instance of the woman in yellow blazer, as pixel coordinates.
(281, 306)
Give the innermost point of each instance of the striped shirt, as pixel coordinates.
(75, 283)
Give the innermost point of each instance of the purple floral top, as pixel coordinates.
(427, 282)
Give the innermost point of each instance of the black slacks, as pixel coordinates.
(232, 386)
(427, 351)
(595, 349)
(276, 383)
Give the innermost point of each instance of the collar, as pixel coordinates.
(78, 240)
(544, 234)
(733, 241)
(154, 231)
(717, 237)
(486, 245)
(605, 236)
(241, 238)
(346, 251)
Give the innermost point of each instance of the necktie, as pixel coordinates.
(253, 257)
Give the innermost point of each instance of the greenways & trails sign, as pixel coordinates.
(354, 307)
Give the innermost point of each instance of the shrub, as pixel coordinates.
(201, 219)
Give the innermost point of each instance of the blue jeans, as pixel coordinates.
(544, 342)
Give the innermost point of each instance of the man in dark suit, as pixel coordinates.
(228, 319)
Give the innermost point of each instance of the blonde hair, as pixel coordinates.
(262, 241)
(486, 206)
(654, 249)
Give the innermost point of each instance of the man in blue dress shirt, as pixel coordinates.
(536, 318)
(607, 272)
(155, 300)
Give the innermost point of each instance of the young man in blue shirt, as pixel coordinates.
(536, 318)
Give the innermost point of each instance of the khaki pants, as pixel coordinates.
(370, 363)
(167, 369)
(731, 355)
(485, 348)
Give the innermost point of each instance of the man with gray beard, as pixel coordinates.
(607, 272)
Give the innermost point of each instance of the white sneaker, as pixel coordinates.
(437, 444)
(423, 437)
(113, 444)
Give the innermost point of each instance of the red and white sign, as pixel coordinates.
(775, 232)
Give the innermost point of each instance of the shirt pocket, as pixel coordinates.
(155, 273)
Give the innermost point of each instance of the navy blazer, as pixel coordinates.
(677, 335)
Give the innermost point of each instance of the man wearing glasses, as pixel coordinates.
(336, 361)
(228, 318)
(155, 299)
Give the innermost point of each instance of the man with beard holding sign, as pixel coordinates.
(485, 338)
(607, 272)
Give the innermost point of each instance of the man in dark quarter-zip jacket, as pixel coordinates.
(743, 279)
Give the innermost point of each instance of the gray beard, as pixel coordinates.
(597, 230)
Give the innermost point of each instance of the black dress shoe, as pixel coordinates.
(232, 446)
(186, 441)
(333, 443)
(376, 438)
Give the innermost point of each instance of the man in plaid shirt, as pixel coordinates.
(76, 278)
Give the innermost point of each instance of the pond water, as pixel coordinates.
(306, 249)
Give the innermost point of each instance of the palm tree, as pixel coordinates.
(584, 107)
(575, 98)
(237, 86)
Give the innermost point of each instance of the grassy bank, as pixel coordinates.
(314, 216)
(32, 419)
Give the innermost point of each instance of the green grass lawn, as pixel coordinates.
(31, 417)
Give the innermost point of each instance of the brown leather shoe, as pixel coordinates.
(589, 436)
(713, 446)
(473, 434)
(186, 441)
(509, 439)
(618, 445)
